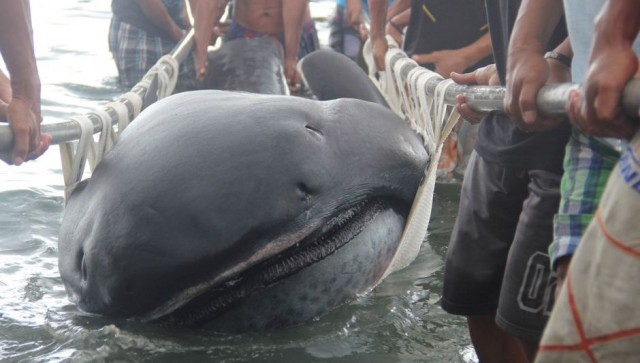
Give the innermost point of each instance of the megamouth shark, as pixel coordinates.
(241, 211)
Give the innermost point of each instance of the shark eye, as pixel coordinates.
(314, 131)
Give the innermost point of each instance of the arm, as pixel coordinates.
(401, 19)
(488, 75)
(354, 12)
(5, 88)
(23, 112)
(457, 60)
(5, 95)
(527, 70)
(612, 64)
(206, 16)
(355, 17)
(396, 25)
(398, 7)
(558, 71)
(377, 19)
(157, 13)
(293, 12)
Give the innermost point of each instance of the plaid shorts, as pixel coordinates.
(135, 51)
(588, 161)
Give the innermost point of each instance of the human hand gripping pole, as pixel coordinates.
(612, 64)
(487, 75)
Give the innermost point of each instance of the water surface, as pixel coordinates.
(400, 321)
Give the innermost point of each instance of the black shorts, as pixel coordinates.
(497, 262)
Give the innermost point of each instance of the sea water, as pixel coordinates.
(400, 321)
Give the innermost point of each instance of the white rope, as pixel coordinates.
(104, 143)
(167, 69)
(381, 78)
(136, 102)
(87, 149)
(407, 106)
(415, 230)
(404, 86)
(424, 117)
(73, 161)
(123, 119)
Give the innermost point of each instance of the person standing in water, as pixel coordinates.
(286, 20)
(20, 103)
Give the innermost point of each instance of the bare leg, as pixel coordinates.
(494, 345)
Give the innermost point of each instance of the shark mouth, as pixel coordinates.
(336, 233)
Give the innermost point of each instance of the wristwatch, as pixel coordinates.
(559, 57)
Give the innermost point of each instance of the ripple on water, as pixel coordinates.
(400, 321)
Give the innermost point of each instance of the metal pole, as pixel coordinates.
(69, 130)
(551, 99)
